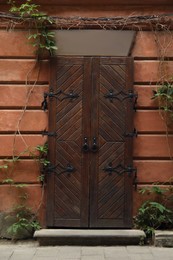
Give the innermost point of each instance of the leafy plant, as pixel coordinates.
(44, 162)
(43, 150)
(25, 220)
(4, 166)
(153, 215)
(164, 94)
(42, 38)
(8, 181)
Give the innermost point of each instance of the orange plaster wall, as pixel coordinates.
(151, 149)
(22, 83)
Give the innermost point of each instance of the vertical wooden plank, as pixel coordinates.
(87, 95)
(94, 134)
(51, 147)
(129, 111)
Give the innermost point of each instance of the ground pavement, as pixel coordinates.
(31, 251)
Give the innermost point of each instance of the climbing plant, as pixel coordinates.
(24, 220)
(164, 95)
(42, 38)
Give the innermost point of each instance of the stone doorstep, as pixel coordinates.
(163, 238)
(47, 237)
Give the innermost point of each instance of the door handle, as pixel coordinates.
(94, 147)
(85, 146)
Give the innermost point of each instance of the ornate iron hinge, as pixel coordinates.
(51, 134)
(121, 96)
(131, 134)
(71, 95)
(119, 169)
(53, 169)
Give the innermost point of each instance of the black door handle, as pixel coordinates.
(85, 146)
(94, 147)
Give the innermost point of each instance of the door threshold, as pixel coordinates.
(48, 237)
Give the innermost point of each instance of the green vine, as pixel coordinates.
(42, 38)
(164, 95)
(42, 158)
(24, 219)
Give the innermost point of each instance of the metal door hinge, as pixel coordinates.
(119, 169)
(121, 96)
(51, 134)
(135, 180)
(132, 134)
(60, 95)
(58, 169)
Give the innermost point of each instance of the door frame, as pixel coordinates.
(51, 142)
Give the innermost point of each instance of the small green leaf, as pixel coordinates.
(9, 181)
(21, 185)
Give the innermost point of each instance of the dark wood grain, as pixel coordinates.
(90, 196)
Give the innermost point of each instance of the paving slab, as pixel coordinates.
(92, 250)
(44, 258)
(138, 249)
(18, 252)
(53, 252)
(93, 257)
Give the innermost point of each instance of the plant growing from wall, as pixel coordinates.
(43, 41)
(42, 158)
(22, 218)
(42, 38)
(164, 95)
(155, 214)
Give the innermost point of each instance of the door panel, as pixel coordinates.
(90, 188)
(69, 180)
(111, 198)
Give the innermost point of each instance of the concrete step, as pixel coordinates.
(47, 237)
(163, 238)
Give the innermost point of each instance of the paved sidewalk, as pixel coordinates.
(31, 251)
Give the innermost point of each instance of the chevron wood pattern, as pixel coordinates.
(110, 196)
(90, 196)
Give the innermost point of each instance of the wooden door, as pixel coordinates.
(89, 182)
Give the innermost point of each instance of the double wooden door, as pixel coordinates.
(89, 182)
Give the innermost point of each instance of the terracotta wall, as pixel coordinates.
(151, 149)
(22, 83)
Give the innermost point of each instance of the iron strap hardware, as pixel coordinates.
(121, 96)
(135, 180)
(131, 134)
(71, 95)
(51, 134)
(53, 169)
(119, 169)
